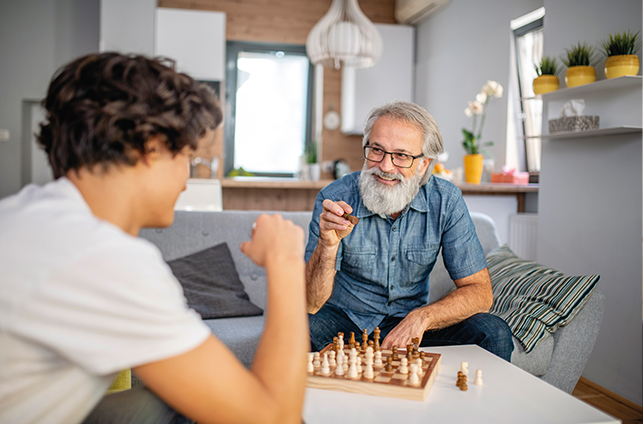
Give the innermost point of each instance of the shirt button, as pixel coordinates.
(392, 287)
(394, 228)
(393, 259)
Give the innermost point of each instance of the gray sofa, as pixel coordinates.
(559, 360)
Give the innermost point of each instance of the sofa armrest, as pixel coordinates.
(573, 345)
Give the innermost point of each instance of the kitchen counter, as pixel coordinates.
(290, 194)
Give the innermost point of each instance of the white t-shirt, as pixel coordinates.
(80, 300)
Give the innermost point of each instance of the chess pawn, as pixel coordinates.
(352, 370)
(478, 380)
(339, 370)
(325, 366)
(378, 358)
(368, 370)
(376, 336)
(310, 367)
(364, 340)
(316, 362)
(403, 369)
(394, 355)
(418, 362)
(414, 379)
(422, 357)
(389, 365)
(331, 358)
(458, 383)
(340, 340)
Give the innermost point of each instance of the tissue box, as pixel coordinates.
(573, 124)
(518, 178)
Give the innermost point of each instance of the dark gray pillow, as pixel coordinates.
(211, 284)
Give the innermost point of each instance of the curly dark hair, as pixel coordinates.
(103, 108)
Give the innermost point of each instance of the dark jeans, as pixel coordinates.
(485, 330)
(134, 406)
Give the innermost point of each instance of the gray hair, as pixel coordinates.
(417, 116)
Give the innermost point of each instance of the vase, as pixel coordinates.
(621, 65)
(473, 169)
(314, 171)
(580, 75)
(546, 84)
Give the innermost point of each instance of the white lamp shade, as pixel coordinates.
(344, 35)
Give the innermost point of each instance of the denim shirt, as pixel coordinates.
(383, 265)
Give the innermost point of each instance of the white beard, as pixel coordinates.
(387, 200)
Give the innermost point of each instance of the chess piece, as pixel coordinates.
(409, 352)
(417, 361)
(359, 364)
(325, 366)
(364, 340)
(376, 336)
(478, 380)
(310, 367)
(462, 380)
(389, 365)
(378, 358)
(458, 383)
(416, 343)
(394, 355)
(339, 370)
(422, 357)
(368, 371)
(413, 377)
(351, 342)
(352, 369)
(316, 362)
(340, 340)
(403, 369)
(331, 358)
(464, 369)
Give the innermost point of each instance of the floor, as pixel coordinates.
(608, 402)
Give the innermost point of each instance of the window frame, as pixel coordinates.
(233, 48)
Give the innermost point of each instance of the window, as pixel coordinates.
(528, 45)
(269, 108)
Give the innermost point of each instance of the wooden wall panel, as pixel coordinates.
(290, 21)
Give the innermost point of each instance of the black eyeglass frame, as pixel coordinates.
(391, 154)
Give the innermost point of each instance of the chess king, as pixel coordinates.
(376, 273)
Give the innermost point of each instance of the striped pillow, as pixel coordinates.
(533, 299)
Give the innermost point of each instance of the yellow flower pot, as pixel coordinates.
(545, 84)
(473, 169)
(580, 75)
(621, 65)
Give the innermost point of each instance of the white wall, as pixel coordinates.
(590, 201)
(36, 37)
(458, 49)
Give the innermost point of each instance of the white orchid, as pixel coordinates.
(481, 98)
(492, 88)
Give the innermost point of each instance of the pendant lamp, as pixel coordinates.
(344, 35)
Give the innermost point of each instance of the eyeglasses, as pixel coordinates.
(401, 160)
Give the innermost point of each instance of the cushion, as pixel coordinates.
(211, 284)
(533, 299)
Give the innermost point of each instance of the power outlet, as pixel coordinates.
(4, 135)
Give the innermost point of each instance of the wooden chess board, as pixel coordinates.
(389, 384)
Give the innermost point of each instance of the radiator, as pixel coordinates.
(523, 235)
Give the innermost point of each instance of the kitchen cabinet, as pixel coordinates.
(391, 78)
(195, 39)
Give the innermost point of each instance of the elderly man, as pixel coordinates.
(376, 273)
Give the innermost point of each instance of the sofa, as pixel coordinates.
(558, 360)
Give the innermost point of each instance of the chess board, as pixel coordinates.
(389, 384)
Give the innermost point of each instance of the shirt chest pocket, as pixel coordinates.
(420, 261)
(359, 264)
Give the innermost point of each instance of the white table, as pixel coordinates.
(508, 395)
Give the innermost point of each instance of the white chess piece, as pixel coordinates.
(418, 362)
(359, 365)
(403, 369)
(341, 342)
(316, 362)
(413, 378)
(325, 366)
(478, 379)
(378, 358)
(368, 371)
(331, 358)
(310, 368)
(339, 370)
(464, 369)
(352, 370)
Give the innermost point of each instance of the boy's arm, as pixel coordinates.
(209, 385)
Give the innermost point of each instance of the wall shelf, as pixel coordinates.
(590, 133)
(607, 84)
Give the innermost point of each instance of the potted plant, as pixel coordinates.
(620, 51)
(580, 61)
(472, 145)
(547, 79)
(314, 169)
